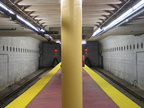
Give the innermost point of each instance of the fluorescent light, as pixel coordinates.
(84, 42)
(126, 14)
(26, 22)
(42, 30)
(10, 11)
(6, 8)
(19, 17)
(58, 41)
(48, 36)
(121, 18)
(139, 4)
(3, 6)
(97, 31)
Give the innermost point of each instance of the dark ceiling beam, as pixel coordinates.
(123, 1)
(42, 23)
(98, 24)
(45, 26)
(33, 17)
(109, 11)
(102, 20)
(106, 16)
(16, 1)
(29, 12)
(38, 20)
(23, 8)
(114, 6)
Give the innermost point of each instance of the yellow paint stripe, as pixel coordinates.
(23, 100)
(120, 99)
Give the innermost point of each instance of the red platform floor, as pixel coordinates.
(93, 95)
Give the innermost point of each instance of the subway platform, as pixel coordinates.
(97, 93)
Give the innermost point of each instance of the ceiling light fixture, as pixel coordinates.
(48, 36)
(5, 9)
(42, 30)
(18, 17)
(125, 17)
(84, 42)
(27, 23)
(58, 41)
(98, 31)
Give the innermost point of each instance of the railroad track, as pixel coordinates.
(121, 85)
(13, 93)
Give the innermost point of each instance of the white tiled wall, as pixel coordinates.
(19, 57)
(121, 57)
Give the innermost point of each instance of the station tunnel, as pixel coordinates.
(83, 53)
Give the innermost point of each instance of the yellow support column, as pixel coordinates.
(71, 31)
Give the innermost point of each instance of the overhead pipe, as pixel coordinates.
(23, 12)
(109, 18)
(40, 25)
(15, 16)
(107, 25)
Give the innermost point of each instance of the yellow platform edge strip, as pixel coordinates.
(23, 100)
(119, 98)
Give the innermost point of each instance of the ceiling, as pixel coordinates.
(47, 14)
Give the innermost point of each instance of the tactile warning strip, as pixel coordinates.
(120, 99)
(26, 97)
